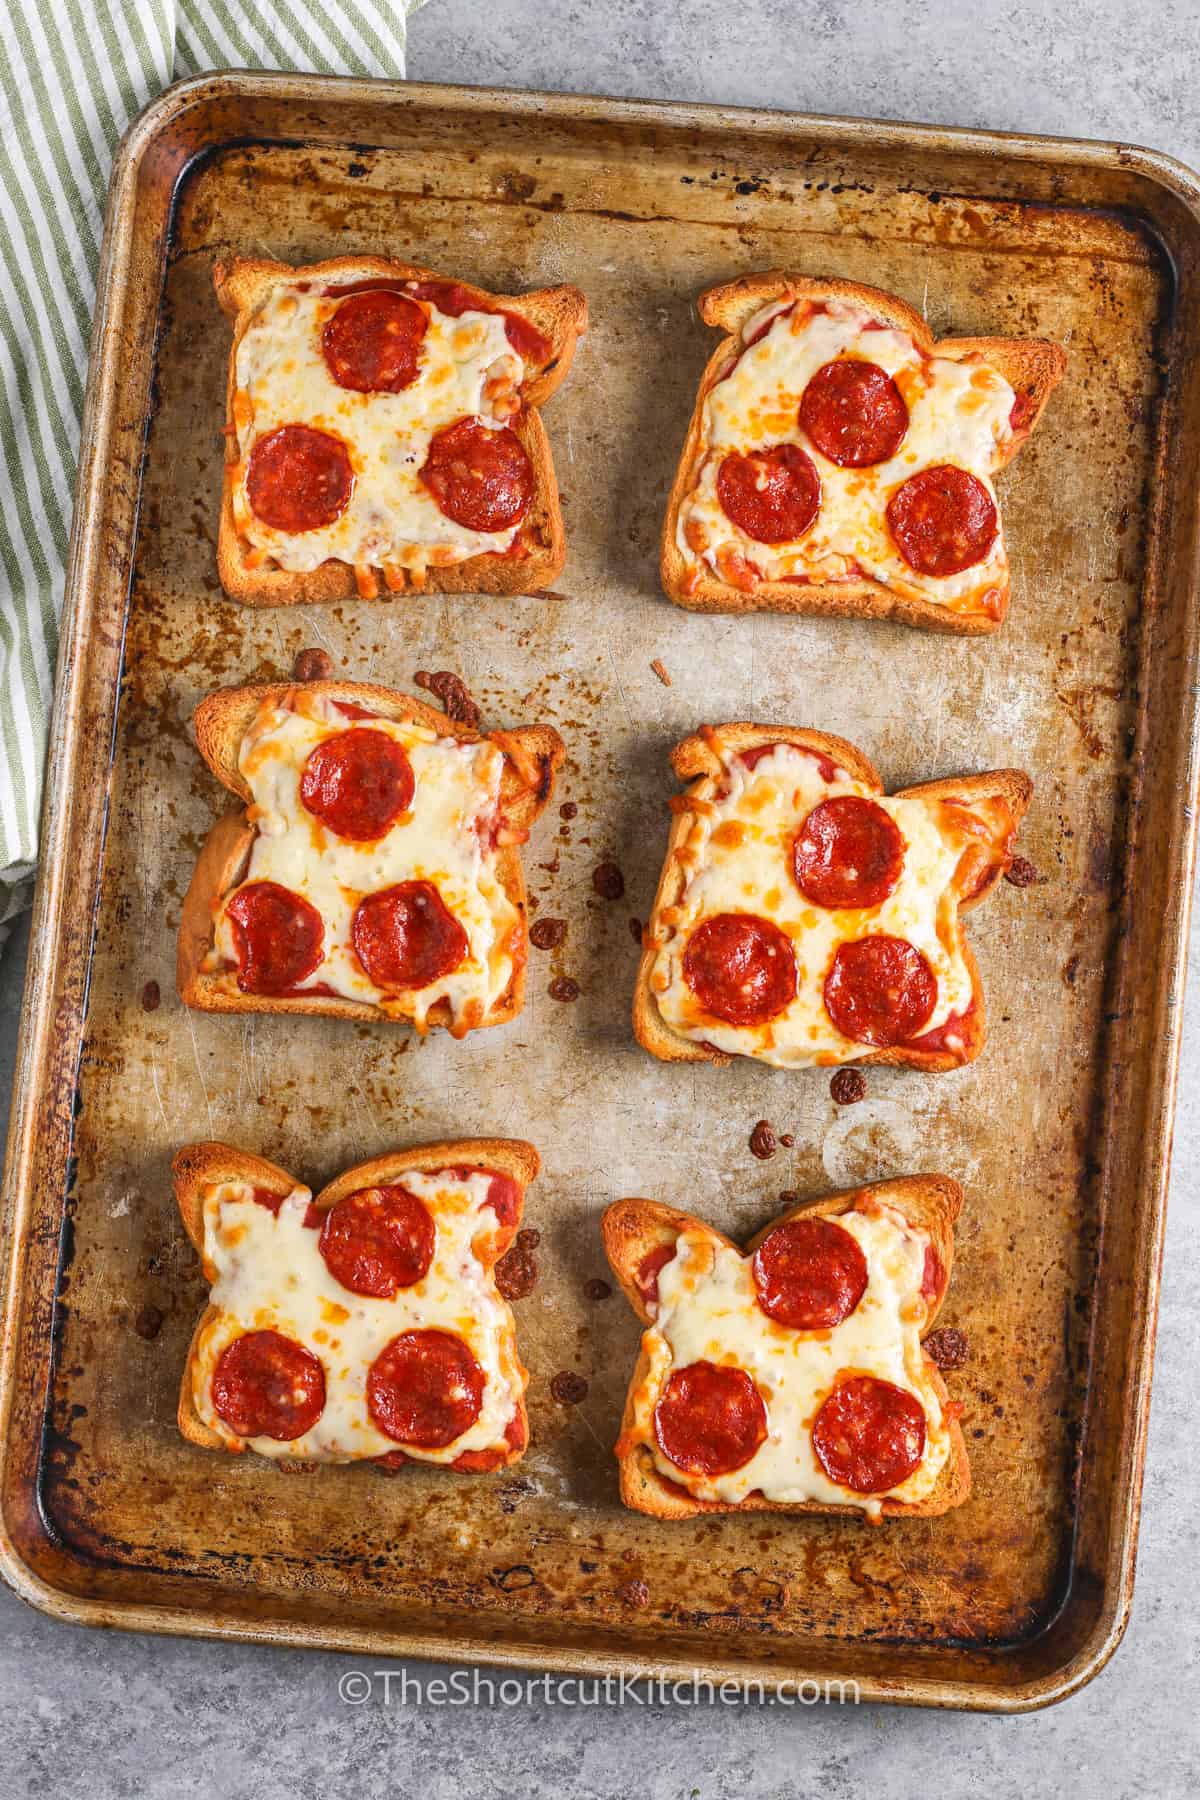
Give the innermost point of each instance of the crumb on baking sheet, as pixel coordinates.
(517, 1270)
(1021, 873)
(949, 1348)
(548, 934)
(608, 880)
(762, 1140)
(848, 1087)
(660, 670)
(313, 664)
(454, 695)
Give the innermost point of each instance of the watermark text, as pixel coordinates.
(475, 1687)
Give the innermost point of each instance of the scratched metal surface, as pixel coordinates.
(547, 1547)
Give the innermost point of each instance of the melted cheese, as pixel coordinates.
(708, 1312)
(457, 791)
(958, 413)
(267, 1273)
(392, 520)
(739, 859)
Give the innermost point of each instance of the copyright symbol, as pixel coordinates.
(354, 1687)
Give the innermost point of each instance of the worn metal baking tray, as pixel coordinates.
(1061, 1132)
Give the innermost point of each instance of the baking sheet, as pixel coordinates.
(1017, 1596)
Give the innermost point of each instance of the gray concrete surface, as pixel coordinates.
(110, 1715)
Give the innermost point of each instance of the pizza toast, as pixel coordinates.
(527, 759)
(851, 571)
(640, 1240)
(983, 811)
(537, 343)
(208, 1175)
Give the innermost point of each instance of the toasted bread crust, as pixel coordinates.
(198, 1165)
(560, 314)
(532, 756)
(1032, 366)
(632, 1228)
(695, 760)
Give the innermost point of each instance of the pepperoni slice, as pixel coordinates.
(516, 1436)
(854, 413)
(869, 1435)
(710, 1419)
(773, 495)
(268, 1385)
(849, 852)
(880, 990)
(826, 767)
(649, 1270)
(425, 1388)
(278, 935)
(760, 331)
(810, 1274)
(377, 1241)
(480, 478)
(451, 298)
(266, 1197)
(526, 339)
(503, 1196)
(372, 343)
(1021, 411)
(741, 968)
(751, 758)
(943, 520)
(405, 936)
(299, 479)
(357, 783)
(948, 1037)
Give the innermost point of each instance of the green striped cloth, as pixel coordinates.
(73, 73)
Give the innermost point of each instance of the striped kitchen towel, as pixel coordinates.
(73, 73)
